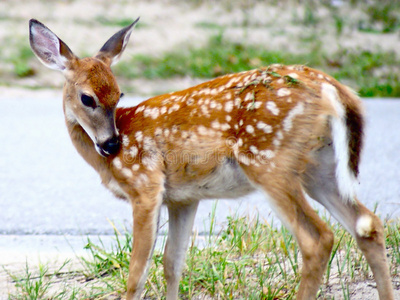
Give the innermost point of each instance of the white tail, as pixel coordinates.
(346, 178)
(286, 130)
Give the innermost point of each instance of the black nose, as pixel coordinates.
(110, 146)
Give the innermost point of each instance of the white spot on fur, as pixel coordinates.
(158, 131)
(297, 110)
(228, 118)
(117, 163)
(139, 136)
(250, 129)
(215, 124)
(254, 149)
(231, 82)
(139, 109)
(127, 172)
(135, 167)
(202, 130)
(264, 127)
(228, 106)
(204, 109)
(205, 91)
(166, 132)
(148, 143)
(282, 92)
(364, 226)
(225, 126)
(294, 75)
(125, 140)
(249, 96)
(276, 142)
(173, 108)
(238, 102)
(163, 110)
(257, 104)
(146, 112)
(271, 106)
(133, 151)
(154, 113)
(278, 138)
(244, 159)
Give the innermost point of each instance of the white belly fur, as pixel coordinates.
(226, 181)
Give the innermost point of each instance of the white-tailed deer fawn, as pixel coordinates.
(285, 130)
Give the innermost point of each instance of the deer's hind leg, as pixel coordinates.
(285, 194)
(181, 219)
(322, 185)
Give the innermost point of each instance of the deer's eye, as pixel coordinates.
(88, 101)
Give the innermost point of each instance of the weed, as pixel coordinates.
(290, 80)
(37, 285)
(249, 259)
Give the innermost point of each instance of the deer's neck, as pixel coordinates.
(85, 147)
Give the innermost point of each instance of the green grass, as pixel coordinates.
(218, 57)
(383, 17)
(21, 60)
(249, 259)
(32, 285)
(372, 74)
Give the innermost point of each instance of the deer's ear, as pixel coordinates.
(112, 50)
(50, 50)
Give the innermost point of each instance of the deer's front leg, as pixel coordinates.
(146, 211)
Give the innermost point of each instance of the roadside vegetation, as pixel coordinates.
(249, 259)
(373, 71)
(372, 74)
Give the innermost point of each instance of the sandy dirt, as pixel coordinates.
(167, 25)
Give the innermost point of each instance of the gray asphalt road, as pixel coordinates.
(46, 188)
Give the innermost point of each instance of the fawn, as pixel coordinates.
(285, 130)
